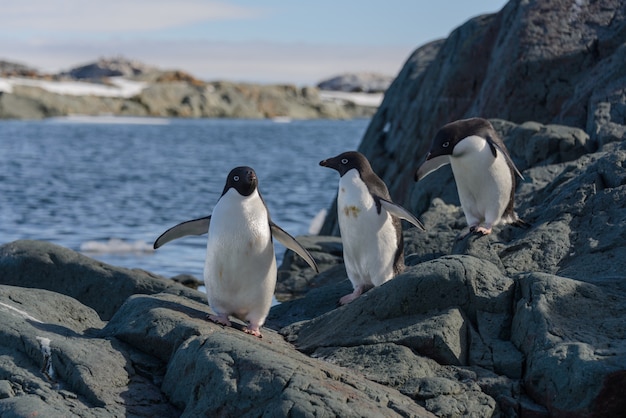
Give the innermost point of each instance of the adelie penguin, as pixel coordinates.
(369, 223)
(240, 266)
(484, 173)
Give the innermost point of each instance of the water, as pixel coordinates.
(108, 187)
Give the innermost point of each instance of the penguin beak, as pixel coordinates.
(324, 163)
(418, 174)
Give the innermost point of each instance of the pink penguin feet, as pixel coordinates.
(482, 230)
(474, 229)
(221, 319)
(253, 330)
(358, 291)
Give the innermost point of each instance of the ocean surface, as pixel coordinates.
(108, 186)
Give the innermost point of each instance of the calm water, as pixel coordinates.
(108, 187)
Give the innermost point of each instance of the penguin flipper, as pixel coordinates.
(495, 146)
(401, 212)
(194, 227)
(431, 165)
(290, 242)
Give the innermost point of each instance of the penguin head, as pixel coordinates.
(243, 179)
(451, 134)
(347, 161)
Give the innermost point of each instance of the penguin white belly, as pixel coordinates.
(369, 239)
(483, 182)
(240, 266)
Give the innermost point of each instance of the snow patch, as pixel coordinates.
(47, 369)
(19, 312)
(120, 87)
(360, 99)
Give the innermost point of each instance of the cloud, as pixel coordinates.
(115, 15)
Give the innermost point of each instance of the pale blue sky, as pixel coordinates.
(271, 41)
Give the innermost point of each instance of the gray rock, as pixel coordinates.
(231, 374)
(523, 322)
(183, 98)
(357, 82)
(6, 391)
(217, 370)
(57, 367)
(47, 266)
(109, 67)
(570, 73)
(295, 277)
(572, 334)
(429, 309)
(15, 69)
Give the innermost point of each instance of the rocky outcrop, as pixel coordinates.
(109, 67)
(166, 94)
(551, 63)
(14, 69)
(156, 355)
(357, 82)
(523, 322)
(172, 95)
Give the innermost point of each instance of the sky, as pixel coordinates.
(270, 41)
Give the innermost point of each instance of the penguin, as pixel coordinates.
(369, 223)
(483, 170)
(240, 264)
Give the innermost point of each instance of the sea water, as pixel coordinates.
(108, 187)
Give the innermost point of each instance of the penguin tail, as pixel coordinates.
(520, 223)
(513, 219)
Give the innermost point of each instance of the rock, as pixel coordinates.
(56, 364)
(14, 69)
(188, 280)
(572, 334)
(565, 276)
(179, 96)
(359, 82)
(452, 290)
(47, 266)
(109, 67)
(569, 73)
(154, 356)
(295, 277)
(257, 378)
(523, 322)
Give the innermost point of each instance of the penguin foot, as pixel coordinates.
(482, 230)
(253, 331)
(358, 291)
(220, 319)
(348, 298)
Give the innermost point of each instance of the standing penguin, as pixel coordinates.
(369, 222)
(240, 266)
(483, 171)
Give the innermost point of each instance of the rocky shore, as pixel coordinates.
(29, 95)
(520, 323)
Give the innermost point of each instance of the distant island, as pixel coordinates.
(123, 87)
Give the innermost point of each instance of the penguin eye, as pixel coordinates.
(344, 161)
(446, 144)
(236, 178)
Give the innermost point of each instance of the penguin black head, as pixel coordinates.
(243, 179)
(451, 134)
(347, 161)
